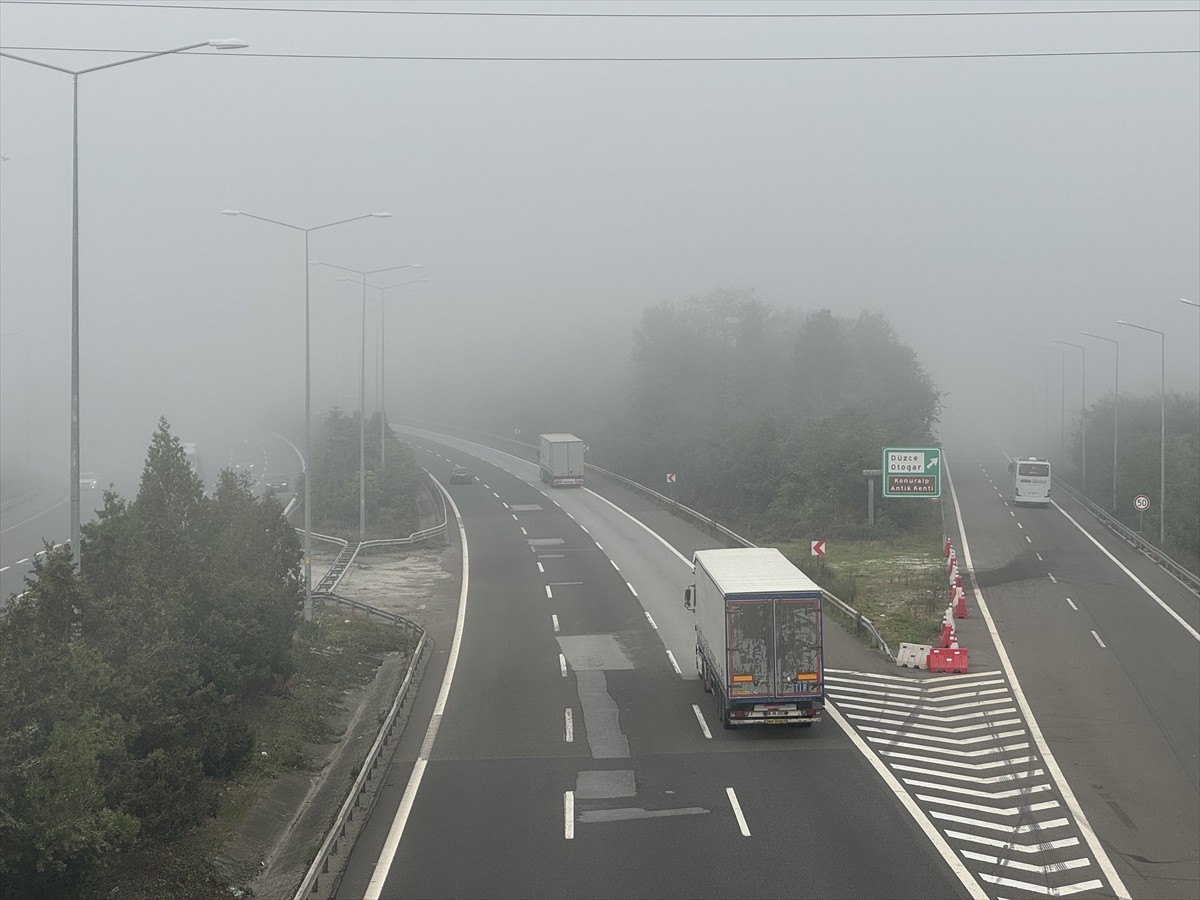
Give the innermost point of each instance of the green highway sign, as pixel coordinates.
(912, 472)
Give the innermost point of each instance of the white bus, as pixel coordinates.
(1030, 481)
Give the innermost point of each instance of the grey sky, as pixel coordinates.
(984, 204)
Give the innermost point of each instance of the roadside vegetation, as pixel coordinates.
(393, 482)
(144, 694)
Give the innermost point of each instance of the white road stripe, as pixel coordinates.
(562, 665)
(737, 811)
(541, 568)
(633, 591)
(569, 725)
(700, 719)
(569, 815)
(1098, 641)
(1022, 791)
(1027, 867)
(674, 665)
(650, 619)
(1073, 606)
(1040, 847)
(1052, 578)
(549, 595)
(554, 619)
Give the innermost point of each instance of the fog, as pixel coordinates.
(1038, 178)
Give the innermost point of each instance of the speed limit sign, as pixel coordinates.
(1141, 503)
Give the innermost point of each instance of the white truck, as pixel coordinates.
(758, 637)
(560, 460)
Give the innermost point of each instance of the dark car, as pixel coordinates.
(461, 475)
(276, 481)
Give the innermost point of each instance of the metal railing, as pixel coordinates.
(1183, 575)
(324, 874)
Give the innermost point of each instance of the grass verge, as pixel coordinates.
(898, 583)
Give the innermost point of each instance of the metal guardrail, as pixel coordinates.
(859, 621)
(361, 800)
(1184, 576)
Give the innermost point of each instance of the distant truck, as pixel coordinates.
(560, 460)
(758, 637)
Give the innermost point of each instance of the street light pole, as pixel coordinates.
(1082, 410)
(383, 369)
(1062, 401)
(308, 604)
(362, 389)
(1116, 389)
(218, 44)
(1162, 458)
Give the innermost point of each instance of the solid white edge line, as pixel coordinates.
(918, 815)
(737, 811)
(1166, 607)
(700, 719)
(1081, 820)
(569, 815)
(391, 844)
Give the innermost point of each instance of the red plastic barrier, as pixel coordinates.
(946, 548)
(948, 659)
(958, 583)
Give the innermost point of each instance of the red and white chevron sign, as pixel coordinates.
(818, 548)
(670, 478)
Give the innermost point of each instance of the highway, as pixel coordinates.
(1111, 668)
(575, 610)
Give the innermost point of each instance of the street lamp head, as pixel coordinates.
(1189, 302)
(228, 44)
(231, 212)
(382, 215)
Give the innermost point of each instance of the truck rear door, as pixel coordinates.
(774, 647)
(750, 627)
(798, 647)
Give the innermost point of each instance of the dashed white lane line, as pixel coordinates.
(549, 595)
(737, 811)
(632, 590)
(1039, 556)
(569, 815)
(585, 531)
(506, 506)
(497, 496)
(674, 665)
(1027, 540)
(569, 725)
(1073, 606)
(21, 562)
(562, 665)
(700, 719)
(650, 619)
(1052, 578)
(541, 568)
(554, 619)
(1019, 525)
(598, 547)
(1098, 641)
(5, 568)
(523, 531)
(615, 566)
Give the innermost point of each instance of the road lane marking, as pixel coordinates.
(549, 595)
(1098, 641)
(1081, 819)
(633, 591)
(541, 568)
(391, 844)
(1073, 606)
(614, 564)
(554, 619)
(1166, 608)
(1019, 525)
(523, 531)
(700, 719)
(674, 665)
(1039, 556)
(650, 619)
(1052, 578)
(569, 724)
(562, 665)
(569, 815)
(737, 811)
(1027, 540)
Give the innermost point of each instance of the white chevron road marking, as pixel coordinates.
(1028, 867)
(1040, 847)
(971, 792)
